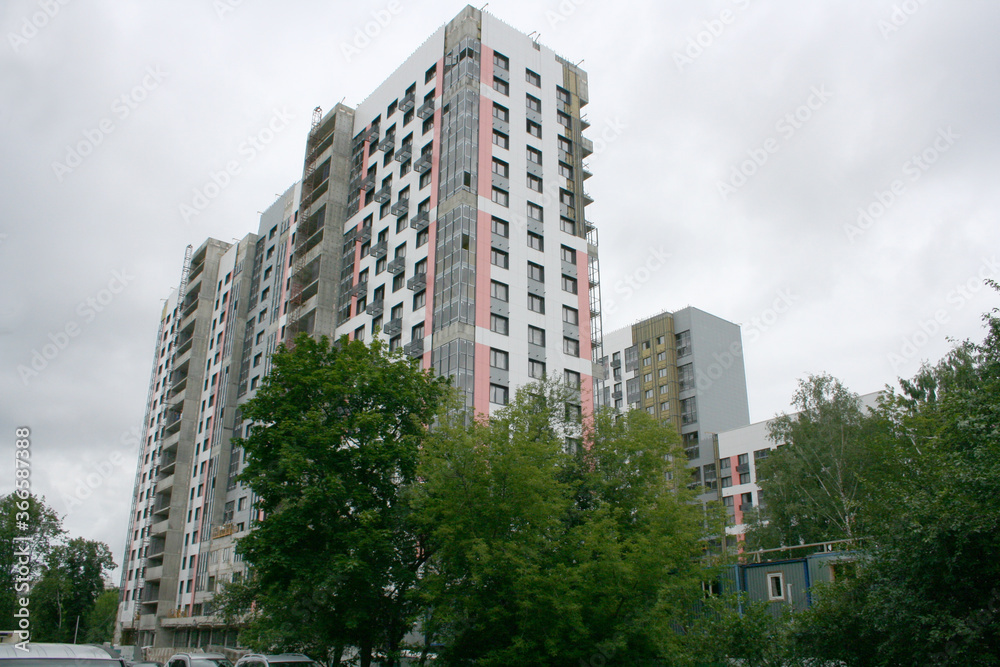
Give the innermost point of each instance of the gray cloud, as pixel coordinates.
(858, 300)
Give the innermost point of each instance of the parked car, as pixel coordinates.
(58, 655)
(198, 660)
(276, 660)
(146, 663)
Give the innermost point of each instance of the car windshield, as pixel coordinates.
(210, 662)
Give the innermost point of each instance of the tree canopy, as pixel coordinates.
(545, 553)
(331, 562)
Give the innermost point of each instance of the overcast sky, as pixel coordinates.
(736, 142)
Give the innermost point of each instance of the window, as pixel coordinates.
(501, 86)
(689, 413)
(571, 347)
(500, 227)
(562, 95)
(665, 406)
(501, 168)
(564, 119)
(569, 284)
(571, 315)
(648, 393)
(423, 237)
(648, 377)
(391, 109)
(535, 241)
(499, 258)
(536, 369)
(498, 290)
(568, 254)
(565, 170)
(500, 139)
(501, 61)
(428, 125)
(536, 303)
(534, 183)
(775, 586)
(359, 333)
(744, 478)
(534, 129)
(536, 336)
(661, 356)
(501, 112)
(425, 179)
(419, 299)
(380, 265)
(395, 342)
(430, 74)
(534, 155)
(685, 376)
(501, 197)
(535, 212)
(536, 272)
(683, 342)
(566, 198)
(533, 103)
(499, 324)
(498, 359)
(567, 226)
(726, 483)
(572, 378)
(498, 394)
(647, 361)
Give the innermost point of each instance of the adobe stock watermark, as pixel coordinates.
(224, 7)
(786, 127)
(248, 150)
(87, 311)
(100, 473)
(365, 35)
(704, 39)
(900, 16)
(722, 363)
(632, 283)
(928, 328)
(33, 24)
(562, 13)
(121, 108)
(913, 169)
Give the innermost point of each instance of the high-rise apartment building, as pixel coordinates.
(686, 369)
(446, 214)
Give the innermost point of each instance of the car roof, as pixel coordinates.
(202, 656)
(54, 651)
(280, 657)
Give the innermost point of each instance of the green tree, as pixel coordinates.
(334, 558)
(44, 531)
(101, 618)
(812, 485)
(547, 553)
(70, 583)
(928, 592)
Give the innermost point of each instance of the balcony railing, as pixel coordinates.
(420, 221)
(426, 110)
(396, 266)
(383, 195)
